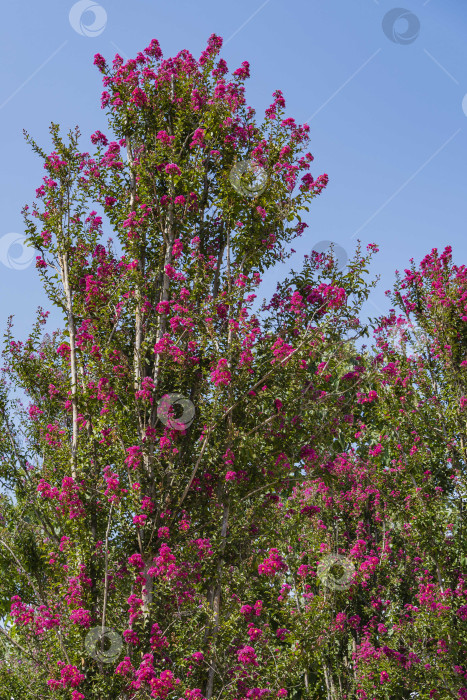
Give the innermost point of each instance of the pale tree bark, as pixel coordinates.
(141, 261)
(64, 267)
(216, 604)
(299, 608)
(330, 685)
(106, 575)
(64, 271)
(147, 592)
(106, 585)
(216, 595)
(169, 237)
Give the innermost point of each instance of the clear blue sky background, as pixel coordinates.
(387, 119)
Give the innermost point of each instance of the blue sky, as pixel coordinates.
(384, 98)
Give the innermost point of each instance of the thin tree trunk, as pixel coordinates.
(106, 588)
(217, 603)
(330, 686)
(165, 293)
(147, 592)
(73, 364)
(138, 319)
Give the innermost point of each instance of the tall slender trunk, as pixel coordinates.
(138, 319)
(164, 296)
(218, 589)
(330, 685)
(147, 592)
(73, 363)
(216, 603)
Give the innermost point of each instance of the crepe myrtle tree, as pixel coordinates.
(419, 635)
(386, 500)
(140, 543)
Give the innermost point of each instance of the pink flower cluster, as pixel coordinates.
(70, 677)
(145, 677)
(240, 475)
(249, 610)
(247, 656)
(158, 641)
(164, 564)
(134, 456)
(71, 504)
(113, 484)
(81, 617)
(203, 547)
(335, 296)
(281, 349)
(198, 138)
(145, 393)
(272, 564)
(221, 376)
(41, 619)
